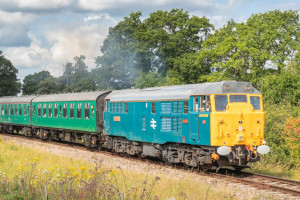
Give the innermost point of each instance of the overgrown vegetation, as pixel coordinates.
(27, 173)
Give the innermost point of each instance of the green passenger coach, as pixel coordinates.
(75, 117)
(15, 113)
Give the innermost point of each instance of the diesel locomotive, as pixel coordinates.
(207, 125)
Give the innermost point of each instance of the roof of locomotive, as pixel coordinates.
(180, 92)
(16, 99)
(80, 96)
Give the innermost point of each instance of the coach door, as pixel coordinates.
(200, 120)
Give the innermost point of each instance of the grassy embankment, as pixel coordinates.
(28, 173)
(276, 169)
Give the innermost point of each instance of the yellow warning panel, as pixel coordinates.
(203, 115)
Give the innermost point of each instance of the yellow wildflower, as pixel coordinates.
(113, 172)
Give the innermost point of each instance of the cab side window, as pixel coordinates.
(195, 104)
(255, 101)
(221, 102)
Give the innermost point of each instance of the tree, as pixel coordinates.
(31, 82)
(283, 86)
(77, 78)
(150, 79)
(134, 47)
(48, 86)
(171, 35)
(9, 84)
(123, 56)
(249, 51)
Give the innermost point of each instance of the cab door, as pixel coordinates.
(193, 118)
(199, 118)
(204, 119)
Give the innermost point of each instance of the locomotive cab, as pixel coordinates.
(237, 128)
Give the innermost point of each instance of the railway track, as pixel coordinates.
(263, 182)
(278, 186)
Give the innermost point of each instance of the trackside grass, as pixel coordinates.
(276, 169)
(29, 173)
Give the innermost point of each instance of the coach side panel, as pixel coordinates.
(77, 116)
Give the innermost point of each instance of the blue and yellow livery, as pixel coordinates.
(200, 125)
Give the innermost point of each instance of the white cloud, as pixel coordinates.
(27, 57)
(14, 28)
(74, 41)
(66, 40)
(33, 4)
(98, 5)
(102, 4)
(101, 17)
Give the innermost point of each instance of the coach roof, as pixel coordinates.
(16, 99)
(81, 96)
(180, 92)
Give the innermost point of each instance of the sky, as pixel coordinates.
(38, 35)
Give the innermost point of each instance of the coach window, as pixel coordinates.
(79, 105)
(86, 111)
(24, 109)
(20, 109)
(16, 109)
(2, 109)
(50, 110)
(55, 110)
(65, 114)
(39, 110)
(44, 110)
(92, 108)
(72, 110)
(5, 109)
(153, 110)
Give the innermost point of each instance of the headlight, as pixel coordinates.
(263, 149)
